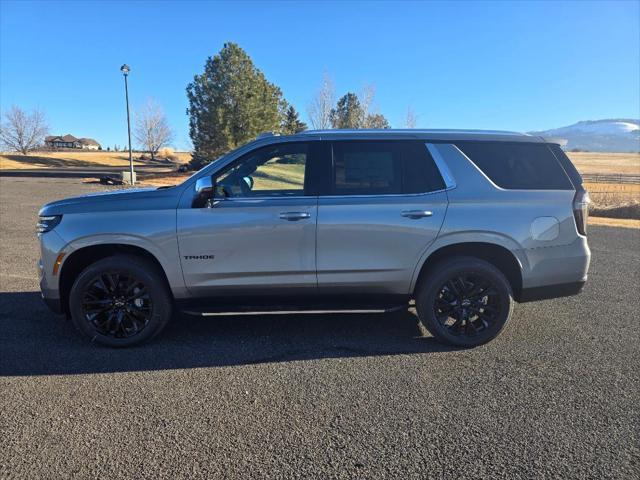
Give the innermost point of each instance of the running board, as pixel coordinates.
(293, 311)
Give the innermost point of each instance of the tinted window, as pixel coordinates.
(277, 170)
(379, 168)
(528, 166)
(419, 173)
(365, 168)
(574, 175)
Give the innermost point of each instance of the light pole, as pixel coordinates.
(125, 71)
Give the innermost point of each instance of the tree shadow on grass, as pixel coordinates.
(34, 341)
(43, 161)
(38, 161)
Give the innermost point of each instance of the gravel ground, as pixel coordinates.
(342, 396)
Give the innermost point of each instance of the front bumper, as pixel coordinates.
(51, 244)
(49, 296)
(54, 304)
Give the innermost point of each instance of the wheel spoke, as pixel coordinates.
(133, 322)
(478, 289)
(109, 282)
(98, 311)
(137, 295)
(470, 328)
(101, 284)
(456, 326)
(452, 287)
(490, 309)
(443, 305)
(109, 304)
(105, 301)
(471, 301)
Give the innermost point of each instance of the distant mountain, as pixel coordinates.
(610, 135)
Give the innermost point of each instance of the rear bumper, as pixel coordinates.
(551, 267)
(550, 291)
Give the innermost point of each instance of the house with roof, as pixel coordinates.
(69, 141)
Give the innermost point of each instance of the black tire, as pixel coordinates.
(120, 301)
(464, 301)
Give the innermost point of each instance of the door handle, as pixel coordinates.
(416, 213)
(293, 216)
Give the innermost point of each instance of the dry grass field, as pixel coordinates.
(606, 163)
(76, 159)
(616, 200)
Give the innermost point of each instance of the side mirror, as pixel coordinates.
(248, 179)
(205, 187)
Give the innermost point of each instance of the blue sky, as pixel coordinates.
(497, 65)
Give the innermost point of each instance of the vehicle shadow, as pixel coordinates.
(33, 341)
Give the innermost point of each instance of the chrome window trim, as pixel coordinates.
(274, 197)
(386, 195)
(441, 164)
(382, 195)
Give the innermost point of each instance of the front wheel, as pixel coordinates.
(120, 301)
(464, 302)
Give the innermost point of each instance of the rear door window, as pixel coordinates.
(366, 168)
(518, 166)
(383, 168)
(419, 171)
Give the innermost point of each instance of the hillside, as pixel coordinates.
(609, 135)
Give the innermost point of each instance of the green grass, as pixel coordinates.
(279, 176)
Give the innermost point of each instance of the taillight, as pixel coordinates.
(581, 210)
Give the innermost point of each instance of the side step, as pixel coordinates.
(290, 310)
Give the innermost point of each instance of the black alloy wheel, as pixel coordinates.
(464, 301)
(121, 300)
(467, 305)
(117, 304)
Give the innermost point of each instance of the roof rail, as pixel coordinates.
(267, 134)
(411, 131)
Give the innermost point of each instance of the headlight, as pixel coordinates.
(46, 224)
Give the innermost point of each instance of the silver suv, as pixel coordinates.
(462, 222)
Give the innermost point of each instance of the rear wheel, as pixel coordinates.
(464, 302)
(120, 301)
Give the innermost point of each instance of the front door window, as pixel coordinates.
(273, 171)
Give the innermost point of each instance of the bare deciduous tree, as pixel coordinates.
(22, 131)
(371, 116)
(152, 129)
(319, 110)
(412, 118)
(366, 101)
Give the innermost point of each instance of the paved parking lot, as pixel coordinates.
(343, 396)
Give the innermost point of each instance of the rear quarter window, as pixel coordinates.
(571, 170)
(518, 166)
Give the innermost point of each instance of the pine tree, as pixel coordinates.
(291, 122)
(230, 103)
(377, 121)
(348, 112)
